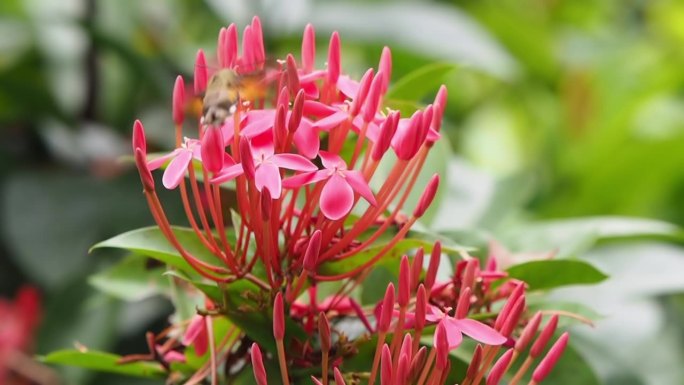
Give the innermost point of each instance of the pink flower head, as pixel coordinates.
(337, 196)
(455, 328)
(267, 165)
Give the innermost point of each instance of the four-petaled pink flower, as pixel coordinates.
(267, 165)
(337, 196)
(455, 328)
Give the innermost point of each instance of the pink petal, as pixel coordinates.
(175, 172)
(194, 329)
(268, 175)
(453, 332)
(306, 139)
(259, 125)
(174, 356)
(348, 86)
(311, 77)
(434, 314)
(310, 90)
(263, 144)
(302, 179)
(158, 162)
(359, 184)
(331, 160)
(479, 331)
(331, 121)
(337, 198)
(293, 162)
(318, 109)
(228, 173)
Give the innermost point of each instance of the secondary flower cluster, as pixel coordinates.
(300, 160)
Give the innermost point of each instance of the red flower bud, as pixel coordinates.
(417, 266)
(213, 149)
(386, 366)
(258, 365)
(311, 253)
(442, 346)
(435, 257)
(309, 48)
(339, 380)
(362, 93)
(139, 141)
(246, 158)
(387, 309)
(334, 58)
(544, 337)
(427, 197)
(528, 332)
(201, 76)
(421, 307)
(292, 75)
(552, 357)
(499, 368)
(178, 107)
(297, 110)
(463, 305)
(324, 332)
(474, 365)
(404, 282)
(278, 317)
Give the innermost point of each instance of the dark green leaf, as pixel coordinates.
(420, 82)
(549, 274)
(131, 279)
(105, 362)
(151, 242)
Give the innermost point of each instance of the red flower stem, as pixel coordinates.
(200, 208)
(228, 256)
(162, 222)
(377, 257)
(428, 365)
(212, 350)
(193, 223)
(397, 336)
(359, 145)
(522, 370)
(309, 206)
(435, 376)
(282, 361)
(489, 354)
(376, 357)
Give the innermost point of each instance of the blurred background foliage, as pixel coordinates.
(557, 109)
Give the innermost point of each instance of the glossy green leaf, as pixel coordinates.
(104, 362)
(549, 274)
(131, 279)
(151, 242)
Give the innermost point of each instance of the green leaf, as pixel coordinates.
(549, 274)
(420, 82)
(104, 362)
(131, 279)
(151, 242)
(570, 312)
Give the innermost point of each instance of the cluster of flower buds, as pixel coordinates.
(300, 160)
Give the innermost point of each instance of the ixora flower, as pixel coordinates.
(283, 253)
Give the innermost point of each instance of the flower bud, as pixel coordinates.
(387, 131)
(324, 332)
(309, 48)
(552, 357)
(417, 266)
(406, 347)
(222, 48)
(544, 337)
(292, 75)
(139, 141)
(258, 41)
(417, 365)
(421, 307)
(178, 108)
(258, 365)
(387, 309)
(339, 380)
(334, 58)
(311, 253)
(513, 317)
(404, 282)
(503, 314)
(431, 274)
(370, 107)
(246, 158)
(201, 76)
(474, 365)
(528, 332)
(442, 345)
(463, 305)
(231, 45)
(499, 368)
(266, 204)
(362, 93)
(385, 67)
(297, 110)
(427, 197)
(213, 150)
(278, 317)
(386, 366)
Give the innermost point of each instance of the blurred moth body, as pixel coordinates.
(225, 89)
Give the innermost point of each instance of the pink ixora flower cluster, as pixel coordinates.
(300, 159)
